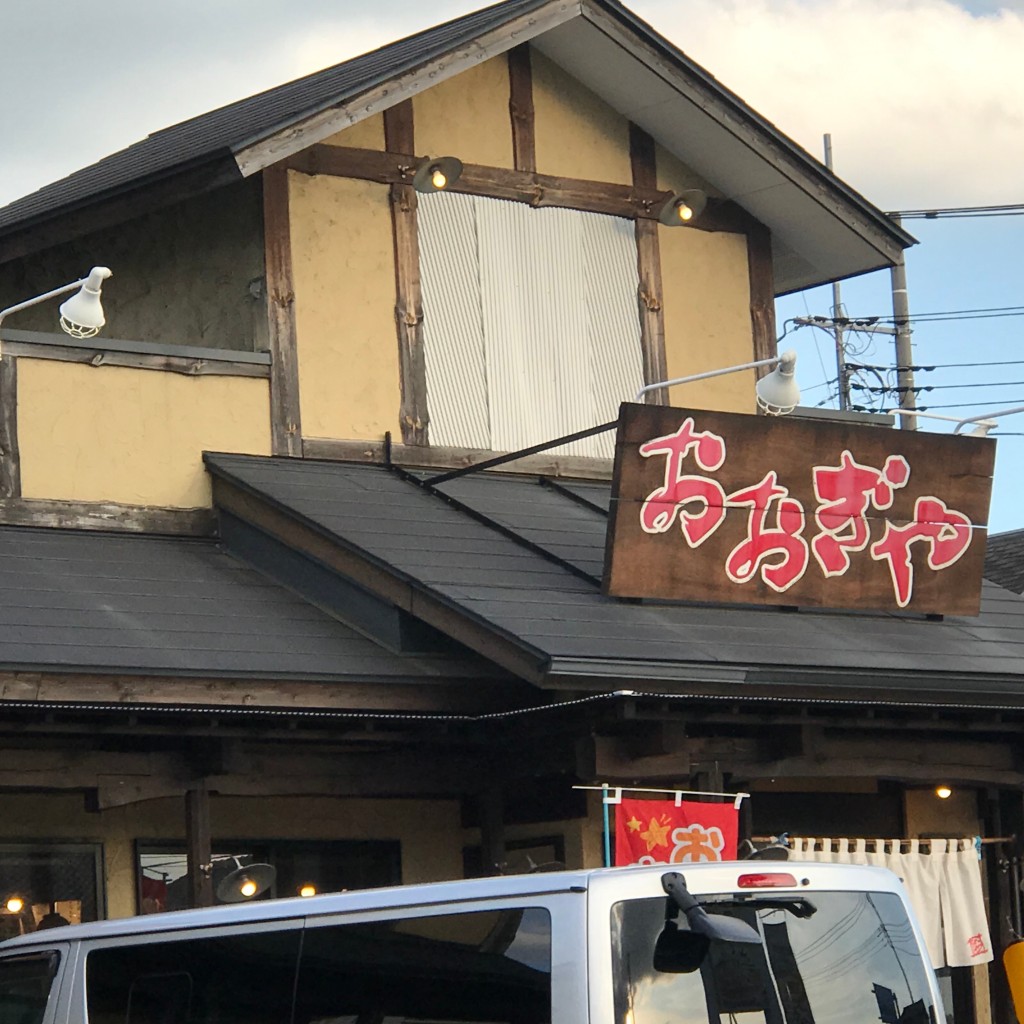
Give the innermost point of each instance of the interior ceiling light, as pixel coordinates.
(943, 792)
(435, 174)
(683, 208)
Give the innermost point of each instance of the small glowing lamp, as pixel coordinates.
(943, 792)
(436, 174)
(307, 890)
(248, 888)
(14, 905)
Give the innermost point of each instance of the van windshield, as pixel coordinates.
(824, 958)
(25, 987)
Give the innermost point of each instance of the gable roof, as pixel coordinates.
(512, 565)
(1004, 560)
(821, 228)
(83, 602)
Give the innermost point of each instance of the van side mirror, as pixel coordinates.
(678, 952)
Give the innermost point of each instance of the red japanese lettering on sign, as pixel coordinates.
(946, 532)
(763, 541)
(976, 945)
(845, 493)
(682, 491)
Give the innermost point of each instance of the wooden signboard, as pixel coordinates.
(728, 508)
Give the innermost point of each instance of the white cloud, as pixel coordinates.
(924, 100)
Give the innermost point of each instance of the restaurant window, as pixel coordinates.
(48, 884)
(531, 327)
(317, 867)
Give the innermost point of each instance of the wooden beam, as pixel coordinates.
(437, 457)
(114, 693)
(650, 296)
(520, 106)
(199, 840)
(397, 167)
(491, 808)
(762, 292)
(285, 416)
(10, 457)
(189, 366)
(90, 515)
(413, 415)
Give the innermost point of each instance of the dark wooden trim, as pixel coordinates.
(87, 515)
(285, 416)
(435, 457)
(762, 292)
(114, 693)
(650, 294)
(494, 182)
(200, 844)
(10, 457)
(399, 137)
(185, 365)
(520, 108)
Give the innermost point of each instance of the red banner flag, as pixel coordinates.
(659, 832)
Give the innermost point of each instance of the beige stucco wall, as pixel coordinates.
(428, 830)
(343, 262)
(134, 436)
(181, 274)
(366, 134)
(577, 135)
(467, 116)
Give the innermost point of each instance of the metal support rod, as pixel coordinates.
(771, 361)
(904, 348)
(63, 289)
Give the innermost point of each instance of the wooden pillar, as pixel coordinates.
(762, 293)
(520, 107)
(199, 840)
(285, 418)
(492, 830)
(10, 459)
(650, 296)
(399, 137)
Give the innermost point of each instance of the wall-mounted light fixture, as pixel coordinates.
(246, 882)
(943, 792)
(777, 392)
(683, 208)
(435, 174)
(81, 316)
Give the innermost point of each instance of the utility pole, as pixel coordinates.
(904, 348)
(837, 315)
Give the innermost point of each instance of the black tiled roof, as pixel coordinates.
(212, 136)
(123, 603)
(536, 589)
(1004, 560)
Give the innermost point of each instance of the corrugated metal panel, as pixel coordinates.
(530, 322)
(610, 283)
(453, 333)
(534, 320)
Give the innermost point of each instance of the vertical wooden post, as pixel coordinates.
(10, 459)
(520, 108)
(399, 138)
(285, 418)
(199, 842)
(762, 293)
(492, 830)
(650, 296)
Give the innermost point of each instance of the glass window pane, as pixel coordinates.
(241, 979)
(57, 884)
(25, 987)
(489, 967)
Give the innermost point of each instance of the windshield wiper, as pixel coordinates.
(798, 906)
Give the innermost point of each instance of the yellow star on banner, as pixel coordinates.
(656, 835)
(633, 825)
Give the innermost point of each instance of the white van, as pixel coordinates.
(734, 943)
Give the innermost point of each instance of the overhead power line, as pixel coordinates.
(1004, 210)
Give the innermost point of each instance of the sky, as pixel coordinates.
(923, 100)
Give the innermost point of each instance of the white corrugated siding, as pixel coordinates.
(453, 336)
(530, 322)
